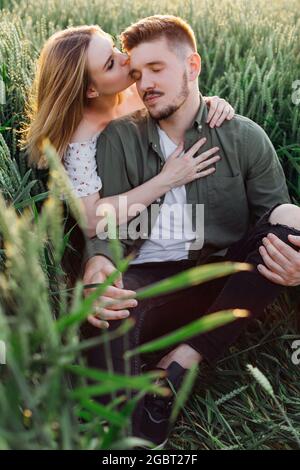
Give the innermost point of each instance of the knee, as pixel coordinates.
(286, 214)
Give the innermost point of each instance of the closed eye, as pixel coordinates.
(112, 61)
(111, 64)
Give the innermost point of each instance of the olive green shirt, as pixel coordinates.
(247, 182)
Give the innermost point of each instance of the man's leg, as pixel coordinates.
(246, 290)
(109, 356)
(177, 311)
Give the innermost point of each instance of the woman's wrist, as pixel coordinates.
(163, 183)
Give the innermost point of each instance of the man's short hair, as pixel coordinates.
(175, 30)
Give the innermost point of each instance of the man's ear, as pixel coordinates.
(194, 64)
(91, 92)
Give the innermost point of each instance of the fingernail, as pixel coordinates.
(271, 235)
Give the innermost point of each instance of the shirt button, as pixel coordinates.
(199, 127)
(158, 199)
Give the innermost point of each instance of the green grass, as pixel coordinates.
(250, 56)
(229, 409)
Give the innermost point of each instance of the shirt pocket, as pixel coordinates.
(227, 201)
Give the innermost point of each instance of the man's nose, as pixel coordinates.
(146, 84)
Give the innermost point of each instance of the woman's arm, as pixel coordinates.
(176, 172)
(219, 111)
(173, 174)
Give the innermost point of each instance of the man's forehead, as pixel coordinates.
(150, 52)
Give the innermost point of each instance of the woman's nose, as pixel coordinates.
(124, 59)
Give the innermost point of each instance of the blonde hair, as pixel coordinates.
(176, 31)
(58, 95)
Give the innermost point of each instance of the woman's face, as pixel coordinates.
(108, 67)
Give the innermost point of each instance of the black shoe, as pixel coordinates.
(155, 416)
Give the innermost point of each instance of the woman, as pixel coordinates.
(82, 84)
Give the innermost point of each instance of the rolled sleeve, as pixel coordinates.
(111, 167)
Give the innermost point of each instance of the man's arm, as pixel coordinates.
(98, 260)
(112, 170)
(265, 179)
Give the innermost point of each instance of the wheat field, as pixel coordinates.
(250, 56)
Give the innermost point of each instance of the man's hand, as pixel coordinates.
(282, 263)
(97, 269)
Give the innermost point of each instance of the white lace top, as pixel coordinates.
(81, 167)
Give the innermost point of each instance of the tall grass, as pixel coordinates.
(250, 56)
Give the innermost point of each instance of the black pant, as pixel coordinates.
(161, 315)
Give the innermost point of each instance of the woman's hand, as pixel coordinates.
(219, 111)
(179, 170)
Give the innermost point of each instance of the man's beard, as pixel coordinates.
(172, 108)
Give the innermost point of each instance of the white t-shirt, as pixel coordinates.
(170, 238)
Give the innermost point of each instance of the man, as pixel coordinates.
(247, 214)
